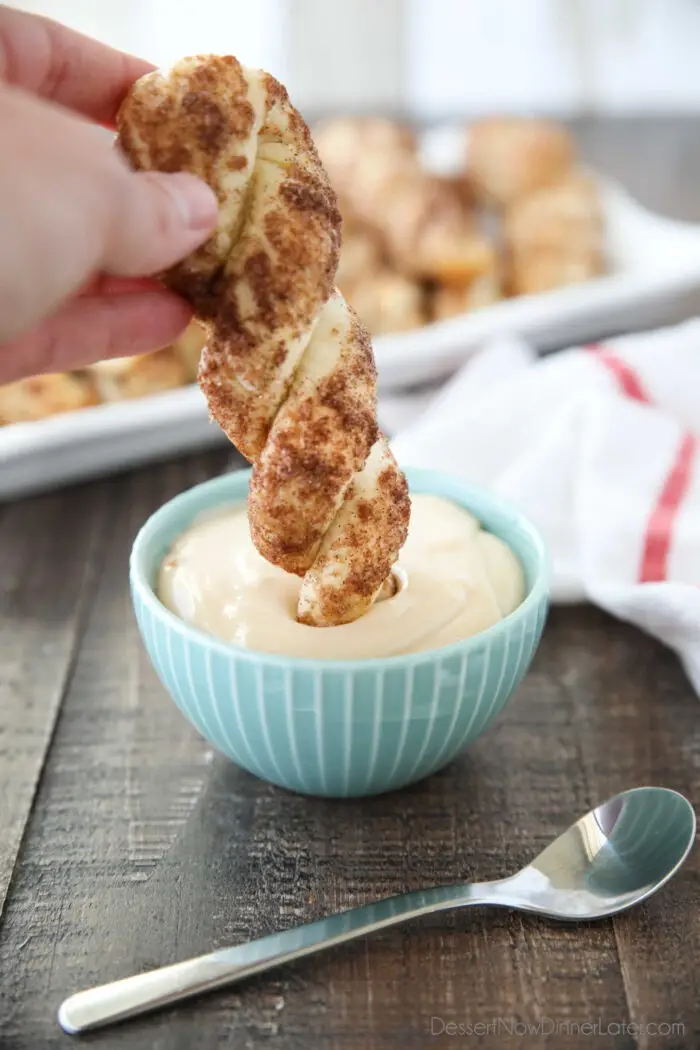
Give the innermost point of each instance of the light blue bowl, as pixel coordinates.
(330, 727)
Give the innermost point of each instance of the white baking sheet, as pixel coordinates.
(655, 263)
(104, 439)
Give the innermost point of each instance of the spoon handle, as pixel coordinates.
(170, 984)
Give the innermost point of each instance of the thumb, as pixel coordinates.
(162, 218)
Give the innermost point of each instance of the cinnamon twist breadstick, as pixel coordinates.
(288, 370)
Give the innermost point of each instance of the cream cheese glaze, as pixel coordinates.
(457, 580)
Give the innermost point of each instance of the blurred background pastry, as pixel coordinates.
(554, 237)
(353, 147)
(188, 348)
(518, 218)
(388, 301)
(508, 158)
(361, 254)
(126, 378)
(120, 379)
(449, 301)
(421, 219)
(29, 400)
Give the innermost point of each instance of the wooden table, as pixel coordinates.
(124, 843)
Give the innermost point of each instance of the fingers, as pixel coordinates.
(70, 208)
(95, 327)
(159, 220)
(57, 63)
(105, 284)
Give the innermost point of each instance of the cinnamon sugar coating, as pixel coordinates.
(288, 369)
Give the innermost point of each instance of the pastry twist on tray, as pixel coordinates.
(288, 369)
(423, 219)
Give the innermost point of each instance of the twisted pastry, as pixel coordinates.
(508, 158)
(423, 219)
(288, 370)
(555, 236)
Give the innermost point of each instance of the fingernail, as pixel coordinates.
(195, 201)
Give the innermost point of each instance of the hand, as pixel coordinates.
(80, 233)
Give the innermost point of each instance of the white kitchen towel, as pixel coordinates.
(600, 447)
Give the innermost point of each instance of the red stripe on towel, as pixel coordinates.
(627, 378)
(659, 531)
(658, 535)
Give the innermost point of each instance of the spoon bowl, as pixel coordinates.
(614, 857)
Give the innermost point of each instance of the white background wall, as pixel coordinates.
(163, 30)
(436, 57)
(561, 55)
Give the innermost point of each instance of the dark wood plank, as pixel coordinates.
(47, 573)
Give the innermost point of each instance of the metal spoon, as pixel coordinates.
(614, 857)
